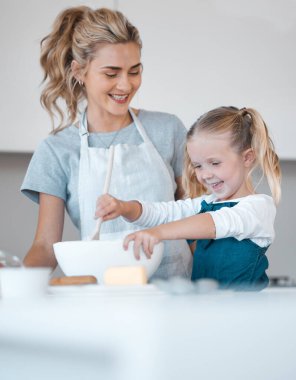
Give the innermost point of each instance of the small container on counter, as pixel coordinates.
(21, 282)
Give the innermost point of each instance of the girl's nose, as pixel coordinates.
(206, 174)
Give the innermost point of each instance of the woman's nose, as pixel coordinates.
(124, 83)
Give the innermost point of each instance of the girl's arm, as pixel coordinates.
(146, 214)
(49, 231)
(108, 208)
(252, 218)
(199, 226)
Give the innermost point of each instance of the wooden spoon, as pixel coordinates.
(96, 232)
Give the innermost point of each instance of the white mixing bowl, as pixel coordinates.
(82, 258)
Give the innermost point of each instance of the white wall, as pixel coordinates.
(197, 54)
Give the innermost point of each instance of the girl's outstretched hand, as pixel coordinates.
(108, 207)
(145, 238)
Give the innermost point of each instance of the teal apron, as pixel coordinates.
(238, 264)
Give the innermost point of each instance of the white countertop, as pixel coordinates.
(143, 333)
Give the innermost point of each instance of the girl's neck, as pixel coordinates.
(244, 192)
(106, 122)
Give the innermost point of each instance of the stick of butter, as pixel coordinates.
(135, 275)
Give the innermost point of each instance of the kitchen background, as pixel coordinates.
(197, 55)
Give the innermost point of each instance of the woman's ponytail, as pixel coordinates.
(56, 58)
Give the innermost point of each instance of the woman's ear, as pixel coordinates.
(249, 157)
(76, 70)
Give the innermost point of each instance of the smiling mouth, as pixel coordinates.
(214, 185)
(119, 98)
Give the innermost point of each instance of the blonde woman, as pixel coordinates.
(92, 69)
(233, 224)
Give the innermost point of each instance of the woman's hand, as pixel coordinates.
(108, 208)
(146, 238)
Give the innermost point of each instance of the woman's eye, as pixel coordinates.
(215, 163)
(134, 72)
(197, 166)
(111, 75)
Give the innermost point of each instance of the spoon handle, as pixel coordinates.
(96, 232)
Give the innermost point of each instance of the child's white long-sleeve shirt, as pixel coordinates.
(251, 218)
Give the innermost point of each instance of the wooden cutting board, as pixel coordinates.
(73, 280)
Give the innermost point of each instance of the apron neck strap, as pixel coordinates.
(83, 125)
(83, 131)
(139, 126)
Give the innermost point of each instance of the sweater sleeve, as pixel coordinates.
(252, 218)
(156, 213)
(45, 174)
(179, 146)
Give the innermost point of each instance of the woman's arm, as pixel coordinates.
(49, 231)
(179, 193)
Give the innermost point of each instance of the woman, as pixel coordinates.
(94, 55)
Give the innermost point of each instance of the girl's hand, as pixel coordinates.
(146, 238)
(108, 207)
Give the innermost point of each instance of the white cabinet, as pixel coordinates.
(197, 55)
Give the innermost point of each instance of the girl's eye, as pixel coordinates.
(215, 163)
(197, 166)
(134, 72)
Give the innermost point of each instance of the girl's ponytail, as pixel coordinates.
(264, 150)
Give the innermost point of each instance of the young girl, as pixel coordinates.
(232, 224)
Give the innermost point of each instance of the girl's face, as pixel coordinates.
(113, 77)
(218, 166)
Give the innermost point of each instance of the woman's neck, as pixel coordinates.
(106, 122)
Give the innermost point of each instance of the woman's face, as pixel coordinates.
(113, 77)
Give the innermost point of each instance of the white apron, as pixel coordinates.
(139, 172)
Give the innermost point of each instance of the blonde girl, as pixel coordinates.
(233, 225)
